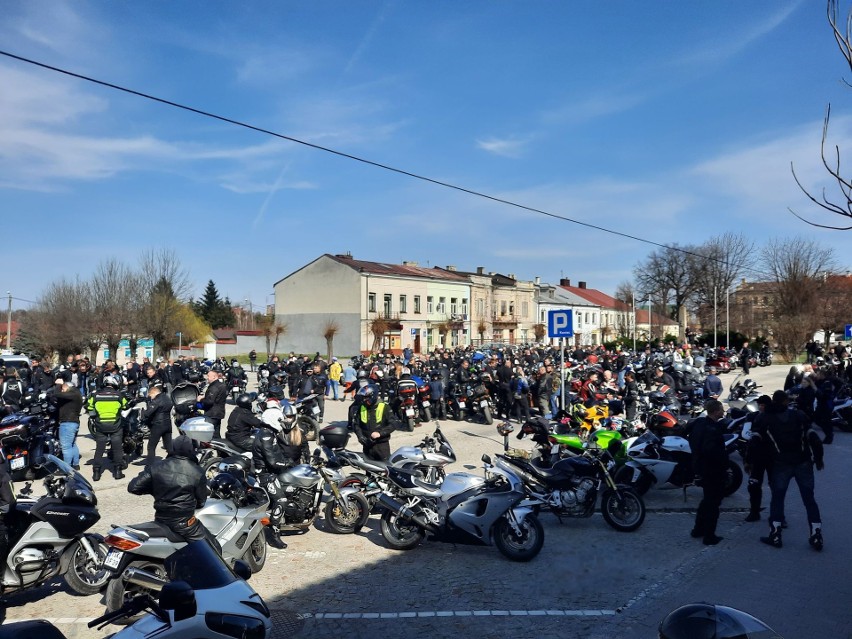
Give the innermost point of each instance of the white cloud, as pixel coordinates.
(505, 147)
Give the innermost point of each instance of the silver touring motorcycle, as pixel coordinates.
(463, 508)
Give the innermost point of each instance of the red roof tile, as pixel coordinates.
(399, 270)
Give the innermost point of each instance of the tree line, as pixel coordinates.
(801, 279)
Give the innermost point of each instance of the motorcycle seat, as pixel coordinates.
(153, 529)
(372, 465)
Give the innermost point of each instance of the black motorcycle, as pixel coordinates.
(569, 486)
(27, 436)
(308, 412)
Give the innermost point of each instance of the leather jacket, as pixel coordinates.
(214, 400)
(177, 484)
(158, 414)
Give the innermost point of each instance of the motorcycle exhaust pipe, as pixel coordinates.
(406, 513)
(145, 579)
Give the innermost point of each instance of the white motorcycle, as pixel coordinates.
(656, 462)
(200, 597)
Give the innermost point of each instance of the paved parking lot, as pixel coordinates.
(589, 581)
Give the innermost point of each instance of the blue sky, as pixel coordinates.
(669, 120)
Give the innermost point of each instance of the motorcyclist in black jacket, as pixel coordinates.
(158, 417)
(179, 489)
(242, 423)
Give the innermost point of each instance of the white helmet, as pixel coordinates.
(273, 417)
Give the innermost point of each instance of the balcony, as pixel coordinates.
(504, 320)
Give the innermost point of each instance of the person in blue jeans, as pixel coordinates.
(70, 403)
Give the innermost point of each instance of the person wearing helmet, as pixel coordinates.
(278, 446)
(158, 417)
(104, 407)
(236, 375)
(373, 427)
(179, 488)
(708, 621)
(242, 422)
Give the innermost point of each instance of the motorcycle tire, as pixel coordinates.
(255, 556)
(400, 534)
(309, 426)
(342, 523)
(359, 481)
(623, 509)
(211, 467)
(411, 423)
(487, 416)
(523, 548)
(624, 476)
(427, 415)
(845, 423)
(84, 576)
(733, 478)
(119, 592)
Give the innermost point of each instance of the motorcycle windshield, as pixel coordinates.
(648, 438)
(199, 565)
(444, 447)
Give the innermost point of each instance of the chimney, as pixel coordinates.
(347, 255)
(450, 267)
(511, 276)
(581, 284)
(409, 263)
(537, 280)
(564, 282)
(480, 270)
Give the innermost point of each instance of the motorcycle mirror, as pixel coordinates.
(486, 459)
(317, 453)
(242, 569)
(179, 597)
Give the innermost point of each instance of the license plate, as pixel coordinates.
(18, 462)
(461, 404)
(426, 404)
(315, 410)
(483, 403)
(409, 412)
(113, 558)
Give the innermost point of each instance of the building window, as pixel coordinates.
(371, 303)
(416, 303)
(454, 306)
(542, 317)
(525, 309)
(388, 306)
(503, 307)
(587, 318)
(464, 306)
(594, 317)
(403, 303)
(579, 319)
(512, 309)
(430, 304)
(442, 305)
(480, 308)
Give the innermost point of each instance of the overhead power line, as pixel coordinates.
(367, 161)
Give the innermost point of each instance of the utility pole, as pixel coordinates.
(9, 324)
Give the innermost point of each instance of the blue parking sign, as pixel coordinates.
(560, 323)
(848, 333)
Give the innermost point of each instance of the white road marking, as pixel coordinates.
(458, 613)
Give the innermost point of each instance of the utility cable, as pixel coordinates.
(357, 158)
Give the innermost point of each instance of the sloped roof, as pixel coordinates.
(399, 270)
(597, 297)
(561, 296)
(658, 320)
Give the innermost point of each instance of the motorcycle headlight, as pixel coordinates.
(236, 626)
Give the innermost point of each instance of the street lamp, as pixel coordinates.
(650, 324)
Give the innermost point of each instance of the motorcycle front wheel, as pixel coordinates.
(521, 547)
(487, 416)
(85, 576)
(400, 533)
(733, 478)
(256, 555)
(623, 509)
(119, 592)
(427, 415)
(345, 523)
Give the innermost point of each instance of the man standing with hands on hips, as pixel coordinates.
(213, 402)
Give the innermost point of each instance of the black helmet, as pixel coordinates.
(369, 395)
(275, 392)
(226, 486)
(244, 401)
(706, 621)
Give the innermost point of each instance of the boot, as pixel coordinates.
(273, 538)
(96, 473)
(116, 472)
(774, 538)
(755, 496)
(815, 540)
(753, 516)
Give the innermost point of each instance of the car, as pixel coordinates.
(8, 359)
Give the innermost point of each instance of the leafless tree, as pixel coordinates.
(834, 305)
(667, 276)
(724, 258)
(331, 329)
(159, 310)
(841, 202)
(62, 320)
(115, 290)
(798, 270)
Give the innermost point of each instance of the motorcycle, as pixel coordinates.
(184, 396)
(198, 597)
(405, 402)
(27, 437)
(308, 412)
(569, 486)
(654, 462)
(742, 392)
(237, 388)
(841, 415)
(424, 402)
(47, 535)
(464, 508)
(235, 515)
(457, 403)
(765, 358)
(480, 401)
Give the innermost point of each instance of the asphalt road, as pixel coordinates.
(589, 581)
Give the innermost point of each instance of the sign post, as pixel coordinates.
(561, 324)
